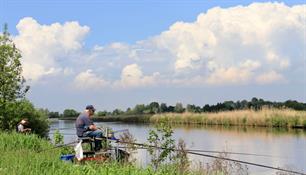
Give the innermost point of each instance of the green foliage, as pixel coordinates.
(139, 109)
(70, 113)
(117, 112)
(15, 141)
(179, 108)
(163, 107)
(154, 108)
(11, 79)
(38, 120)
(58, 137)
(160, 137)
(53, 114)
(102, 113)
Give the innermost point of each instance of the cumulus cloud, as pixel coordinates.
(43, 46)
(269, 77)
(132, 76)
(261, 43)
(222, 38)
(89, 80)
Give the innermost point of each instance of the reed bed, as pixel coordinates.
(262, 118)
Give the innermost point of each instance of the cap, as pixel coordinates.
(90, 107)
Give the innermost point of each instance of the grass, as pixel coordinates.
(286, 118)
(20, 155)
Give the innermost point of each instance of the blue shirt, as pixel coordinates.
(82, 124)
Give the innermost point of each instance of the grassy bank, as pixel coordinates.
(21, 155)
(263, 118)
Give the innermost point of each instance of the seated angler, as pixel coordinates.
(23, 126)
(86, 128)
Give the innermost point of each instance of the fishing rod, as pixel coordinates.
(224, 152)
(188, 152)
(58, 146)
(216, 157)
(117, 131)
(211, 151)
(54, 129)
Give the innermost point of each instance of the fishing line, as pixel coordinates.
(218, 152)
(217, 157)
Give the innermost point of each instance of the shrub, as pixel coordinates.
(25, 109)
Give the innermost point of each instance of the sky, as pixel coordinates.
(116, 54)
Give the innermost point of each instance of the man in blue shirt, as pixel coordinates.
(86, 128)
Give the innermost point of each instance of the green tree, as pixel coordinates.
(11, 80)
(154, 107)
(70, 113)
(163, 107)
(139, 109)
(179, 108)
(38, 119)
(53, 114)
(229, 105)
(117, 112)
(160, 136)
(102, 113)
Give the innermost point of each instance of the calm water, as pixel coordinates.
(287, 148)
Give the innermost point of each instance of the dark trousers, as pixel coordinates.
(95, 134)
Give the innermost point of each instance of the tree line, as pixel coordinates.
(155, 108)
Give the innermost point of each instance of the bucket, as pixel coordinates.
(67, 157)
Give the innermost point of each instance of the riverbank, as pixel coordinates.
(20, 154)
(28, 154)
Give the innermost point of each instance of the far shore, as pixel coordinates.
(285, 118)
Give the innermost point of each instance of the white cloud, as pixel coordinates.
(223, 46)
(132, 76)
(89, 80)
(42, 46)
(222, 38)
(281, 63)
(269, 77)
(231, 75)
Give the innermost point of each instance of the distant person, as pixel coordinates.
(86, 128)
(23, 126)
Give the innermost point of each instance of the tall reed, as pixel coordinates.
(265, 117)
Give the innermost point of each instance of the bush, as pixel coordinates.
(24, 109)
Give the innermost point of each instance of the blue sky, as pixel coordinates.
(121, 53)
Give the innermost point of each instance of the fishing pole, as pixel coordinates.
(217, 157)
(190, 152)
(58, 146)
(225, 152)
(53, 129)
(117, 131)
(210, 151)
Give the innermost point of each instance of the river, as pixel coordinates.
(283, 148)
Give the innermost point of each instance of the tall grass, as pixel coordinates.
(20, 155)
(265, 117)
